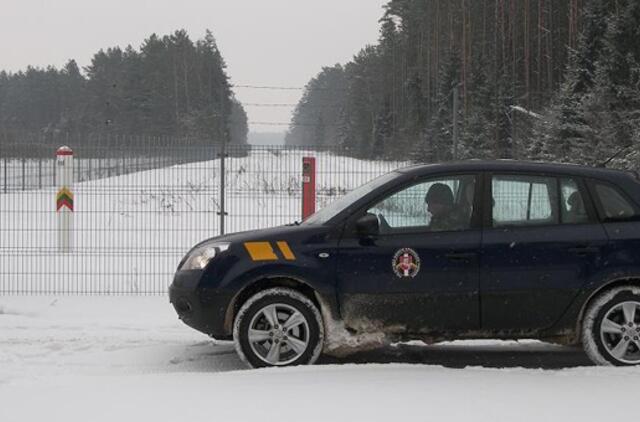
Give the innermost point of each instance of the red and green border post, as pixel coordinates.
(65, 198)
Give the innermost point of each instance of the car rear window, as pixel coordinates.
(524, 200)
(613, 203)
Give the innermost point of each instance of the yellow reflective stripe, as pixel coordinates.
(260, 251)
(286, 251)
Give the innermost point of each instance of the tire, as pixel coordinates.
(265, 335)
(611, 328)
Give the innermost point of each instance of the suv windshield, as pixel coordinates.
(339, 205)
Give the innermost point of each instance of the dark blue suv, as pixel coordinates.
(479, 249)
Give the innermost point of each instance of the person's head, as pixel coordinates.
(439, 199)
(575, 203)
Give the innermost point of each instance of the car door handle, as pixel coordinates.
(461, 256)
(584, 250)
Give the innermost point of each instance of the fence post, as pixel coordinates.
(308, 186)
(24, 173)
(455, 121)
(64, 198)
(223, 211)
(39, 173)
(6, 173)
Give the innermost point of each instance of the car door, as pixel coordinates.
(541, 243)
(620, 217)
(413, 277)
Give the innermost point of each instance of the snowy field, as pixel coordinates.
(31, 174)
(131, 231)
(129, 359)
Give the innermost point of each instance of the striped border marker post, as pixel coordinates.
(64, 198)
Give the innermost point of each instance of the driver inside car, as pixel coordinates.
(444, 215)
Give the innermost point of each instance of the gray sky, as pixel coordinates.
(264, 42)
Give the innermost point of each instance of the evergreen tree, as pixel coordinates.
(595, 115)
(239, 128)
(564, 132)
(614, 102)
(440, 132)
(323, 100)
(170, 87)
(479, 130)
(319, 135)
(393, 100)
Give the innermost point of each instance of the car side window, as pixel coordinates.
(572, 205)
(442, 204)
(524, 200)
(614, 205)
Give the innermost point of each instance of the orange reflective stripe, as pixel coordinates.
(286, 251)
(260, 251)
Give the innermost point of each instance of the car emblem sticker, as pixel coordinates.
(406, 263)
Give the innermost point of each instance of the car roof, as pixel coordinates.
(514, 166)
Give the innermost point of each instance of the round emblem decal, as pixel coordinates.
(406, 263)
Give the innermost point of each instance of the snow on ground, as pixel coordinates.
(131, 231)
(118, 358)
(130, 359)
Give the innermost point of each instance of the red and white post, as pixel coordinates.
(308, 187)
(64, 198)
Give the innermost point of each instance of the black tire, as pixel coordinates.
(607, 310)
(286, 302)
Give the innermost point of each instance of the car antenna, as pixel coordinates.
(614, 156)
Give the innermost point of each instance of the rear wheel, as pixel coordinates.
(611, 329)
(278, 327)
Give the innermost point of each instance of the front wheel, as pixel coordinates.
(611, 328)
(278, 327)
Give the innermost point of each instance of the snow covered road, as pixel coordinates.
(129, 358)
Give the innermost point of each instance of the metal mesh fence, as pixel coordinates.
(138, 210)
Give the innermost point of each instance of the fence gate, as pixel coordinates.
(138, 209)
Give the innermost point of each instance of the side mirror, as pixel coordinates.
(368, 225)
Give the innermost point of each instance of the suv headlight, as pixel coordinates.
(199, 258)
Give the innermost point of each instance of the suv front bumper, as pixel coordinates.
(201, 309)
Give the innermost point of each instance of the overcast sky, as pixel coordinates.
(264, 42)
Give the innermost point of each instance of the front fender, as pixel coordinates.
(314, 279)
(317, 278)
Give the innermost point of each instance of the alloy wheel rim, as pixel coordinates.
(278, 334)
(620, 332)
